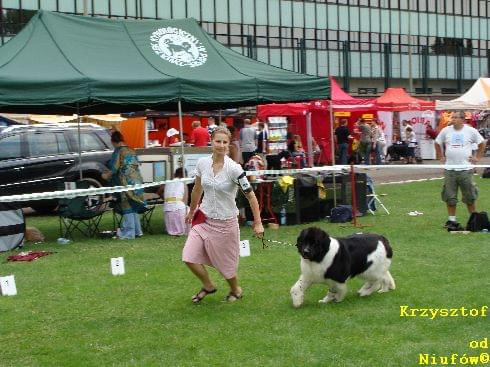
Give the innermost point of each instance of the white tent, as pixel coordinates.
(476, 98)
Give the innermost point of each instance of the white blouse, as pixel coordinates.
(220, 190)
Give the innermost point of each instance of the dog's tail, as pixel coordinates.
(388, 283)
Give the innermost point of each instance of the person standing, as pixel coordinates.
(248, 141)
(214, 241)
(365, 141)
(342, 135)
(262, 139)
(411, 144)
(125, 170)
(379, 141)
(175, 195)
(211, 125)
(234, 148)
(199, 135)
(453, 145)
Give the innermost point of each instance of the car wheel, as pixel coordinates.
(97, 199)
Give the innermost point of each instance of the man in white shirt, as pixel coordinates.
(454, 146)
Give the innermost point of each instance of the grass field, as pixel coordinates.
(70, 311)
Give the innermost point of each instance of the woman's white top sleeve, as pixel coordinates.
(219, 190)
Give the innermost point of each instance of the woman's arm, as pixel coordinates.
(254, 205)
(195, 197)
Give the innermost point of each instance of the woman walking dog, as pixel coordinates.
(215, 235)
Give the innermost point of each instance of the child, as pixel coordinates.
(175, 206)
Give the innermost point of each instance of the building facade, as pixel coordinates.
(432, 47)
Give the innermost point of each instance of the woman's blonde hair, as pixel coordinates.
(221, 130)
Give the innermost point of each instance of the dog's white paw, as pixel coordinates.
(328, 298)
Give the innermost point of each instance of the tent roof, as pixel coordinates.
(396, 99)
(282, 109)
(476, 98)
(59, 61)
(343, 101)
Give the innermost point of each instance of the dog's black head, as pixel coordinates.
(313, 244)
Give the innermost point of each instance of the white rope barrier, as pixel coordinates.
(338, 168)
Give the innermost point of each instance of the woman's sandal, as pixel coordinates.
(203, 292)
(232, 297)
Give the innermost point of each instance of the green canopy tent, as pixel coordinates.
(74, 64)
(59, 63)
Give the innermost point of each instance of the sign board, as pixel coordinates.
(341, 114)
(7, 286)
(117, 266)
(244, 248)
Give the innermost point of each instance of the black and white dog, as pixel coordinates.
(329, 260)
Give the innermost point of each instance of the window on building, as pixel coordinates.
(375, 42)
(274, 37)
(354, 41)
(483, 8)
(364, 40)
(431, 6)
(457, 7)
(474, 8)
(364, 2)
(441, 6)
(333, 40)
(343, 36)
(261, 35)
(449, 7)
(422, 5)
(374, 3)
(413, 5)
(310, 38)
(236, 38)
(404, 4)
(466, 7)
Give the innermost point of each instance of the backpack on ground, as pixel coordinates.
(341, 214)
(478, 222)
(486, 173)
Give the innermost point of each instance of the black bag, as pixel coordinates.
(341, 214)
(486, 173)
(478, 222)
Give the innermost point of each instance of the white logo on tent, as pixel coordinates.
(178, 47)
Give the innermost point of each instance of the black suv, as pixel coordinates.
(38, 158)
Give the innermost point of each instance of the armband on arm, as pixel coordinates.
(244, 184)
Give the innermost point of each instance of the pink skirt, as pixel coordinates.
(175, 222)
(215, 243)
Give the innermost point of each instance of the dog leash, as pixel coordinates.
(264, 245)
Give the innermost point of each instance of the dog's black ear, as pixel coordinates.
(322, 238)
(301, 237)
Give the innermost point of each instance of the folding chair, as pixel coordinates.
(373, 197)
(146, 213)
(81, 213)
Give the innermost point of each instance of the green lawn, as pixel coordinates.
(70, 311)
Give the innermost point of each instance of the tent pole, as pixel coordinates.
(181, 130)
(79, 142)
(332, 150)
(308, 141)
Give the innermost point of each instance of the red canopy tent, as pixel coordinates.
(396, 99)
(342, 101)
